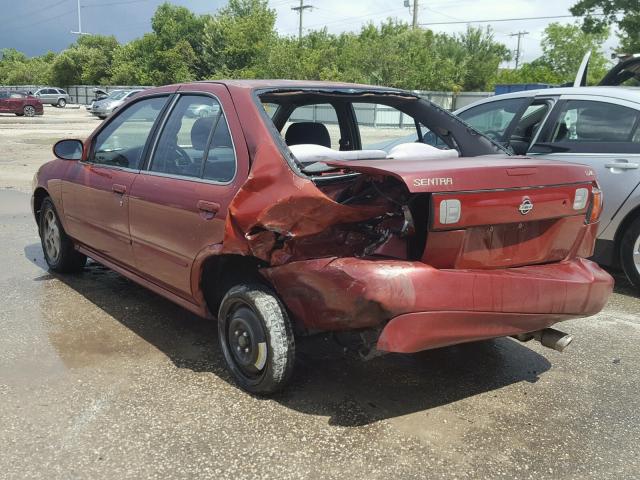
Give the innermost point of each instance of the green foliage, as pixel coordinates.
(236, 38)
(563, 47)
(240, 41)
(17, 69)
(625, 14)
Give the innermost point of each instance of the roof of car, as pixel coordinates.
(631, 94)
(307, 84)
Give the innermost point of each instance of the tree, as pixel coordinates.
(564, 46)
(625, 14)
(237, 37)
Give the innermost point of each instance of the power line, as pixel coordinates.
(519, 35)
(518, 19)
(300, 9)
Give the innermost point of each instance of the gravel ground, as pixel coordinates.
(100, 378)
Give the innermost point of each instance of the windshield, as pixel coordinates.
(117, 94)
(317, 126)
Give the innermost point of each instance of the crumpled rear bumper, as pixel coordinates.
(423, 307)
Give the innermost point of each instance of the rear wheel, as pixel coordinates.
(256, 338)
(29, 111)
(630, 252)
(59, 252)
(62, 102)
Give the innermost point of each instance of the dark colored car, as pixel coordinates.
(281, 226)
(20, 103)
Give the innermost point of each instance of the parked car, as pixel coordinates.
(256, 220)
(597, 126)
(103, 108)
(53, 96)
(20, 104)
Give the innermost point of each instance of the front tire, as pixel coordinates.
(256, 338)
(62, 102)
(29, 111)
(59, 252)
(630, 252)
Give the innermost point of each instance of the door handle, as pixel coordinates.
(117, 188)
(208, 207)
(623, 165)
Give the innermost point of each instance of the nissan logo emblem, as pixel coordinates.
(526, 206)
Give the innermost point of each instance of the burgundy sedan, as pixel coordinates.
(272, 211)
(20, 104)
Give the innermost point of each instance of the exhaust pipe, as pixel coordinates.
(549, 337)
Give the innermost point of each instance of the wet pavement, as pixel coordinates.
(100, 378)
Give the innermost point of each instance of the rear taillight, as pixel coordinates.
(595, 209)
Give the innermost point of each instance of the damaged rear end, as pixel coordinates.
(417, 251)
(463, 250)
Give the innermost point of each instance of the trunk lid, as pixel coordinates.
(496, 211)
(491, 172)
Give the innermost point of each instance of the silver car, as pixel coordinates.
(53, 96)
(595, 126)
(103, 108)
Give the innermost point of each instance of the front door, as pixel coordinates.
(179, 203)
(603, 134)
(96, 195)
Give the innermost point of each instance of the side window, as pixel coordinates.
(122, 141)
(382, 126)
(493, 118)
(531, 121)
(220, 163)
(592, 126)
(195, 141)
(4, 95)
(317, 124)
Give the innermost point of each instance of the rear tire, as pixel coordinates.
(630, 252)
(256, 338)
(29, 111)
(59, 252)
(62, 102)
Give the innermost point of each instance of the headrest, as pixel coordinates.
(200, 132)
(308, 133)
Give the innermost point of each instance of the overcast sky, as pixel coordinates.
(35, 26)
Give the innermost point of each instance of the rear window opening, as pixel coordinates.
(317, 126)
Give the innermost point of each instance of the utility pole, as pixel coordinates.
(407, 4)
(79, 32)
(414, 24)
(300, 10)
(518, 50)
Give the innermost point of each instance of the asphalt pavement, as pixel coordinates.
(100, 378)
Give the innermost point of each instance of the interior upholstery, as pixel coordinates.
(200, 132)
(308, 133)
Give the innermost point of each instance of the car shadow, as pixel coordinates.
(327, 382)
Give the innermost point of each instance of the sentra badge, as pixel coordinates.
(432, 182)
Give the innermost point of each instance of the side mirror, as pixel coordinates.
(68, 149)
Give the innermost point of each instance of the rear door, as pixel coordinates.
(602, 133)
(4, 104)
(97, 191)
(179, 202)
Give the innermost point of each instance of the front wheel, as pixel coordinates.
(256, 338)
(62, 102)
(29, 111)
(59, 252)
(630, 252)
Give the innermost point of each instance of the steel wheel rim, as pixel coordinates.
(29, 111)
(51, 236)
(636, 254)
(246, 341)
